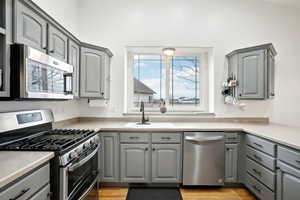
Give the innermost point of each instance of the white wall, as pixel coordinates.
(224, 25)
(66, 13)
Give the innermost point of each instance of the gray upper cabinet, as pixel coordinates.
(110, 157)
(30, 28)
(58, 44)
(166, 163)
(271, 75)
(74, 60)
(251, 74)
(5, 41)
(231, 161)
(94, 73)
(253, 68)
(135, 163)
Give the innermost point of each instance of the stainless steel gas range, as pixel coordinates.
(74, 169)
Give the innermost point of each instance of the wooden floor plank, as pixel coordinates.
(119, 193)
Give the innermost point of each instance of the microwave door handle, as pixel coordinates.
(68, 83)
(83, 161)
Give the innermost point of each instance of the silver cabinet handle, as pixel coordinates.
(256, 188)
(165, 138)
(256, 172)
(23, 192)
(134, 138)
(258, 145)
(257, 157)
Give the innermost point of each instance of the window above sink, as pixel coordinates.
(181, 81)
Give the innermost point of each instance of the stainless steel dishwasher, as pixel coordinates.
(204, 158)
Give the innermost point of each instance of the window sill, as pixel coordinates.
(174, 113)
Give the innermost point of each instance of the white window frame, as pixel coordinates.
(206, 77)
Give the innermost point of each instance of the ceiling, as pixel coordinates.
(286, 2)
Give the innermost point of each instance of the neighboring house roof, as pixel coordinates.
(141, 88)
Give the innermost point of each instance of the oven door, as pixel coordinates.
(79, 181)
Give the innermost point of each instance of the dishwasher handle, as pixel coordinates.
(203, 139)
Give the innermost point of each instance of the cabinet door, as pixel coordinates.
(73, 59)
(252, 75)
(166, 163)
(271, 76)
(110, 157)
(58, 44)
(135, 163)
(92, 73)
(30, 28)
(288, 182)
(231, 158)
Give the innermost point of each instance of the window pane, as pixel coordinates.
(185, 81)
(148, 80)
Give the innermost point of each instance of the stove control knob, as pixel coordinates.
(92, 142)
(73, 155)
(86, 145)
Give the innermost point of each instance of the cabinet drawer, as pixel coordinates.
(232, 137)
(135, 137)
(166, 138)
(29, 185)
(261, 191)
(289, 156)
(261, 158)
(261, 144)
(44, 194)
(261, 173)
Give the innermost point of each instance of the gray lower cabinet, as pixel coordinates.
(92, 77)
(109, 166)
(33, 184)
(74, 60)
(253, 68)
(57, 44)
(135, 163)
(166, 163)
(288, 182)
(260, 164)
(43, 194)
(29, 27)
(288, 174)
(231, 161)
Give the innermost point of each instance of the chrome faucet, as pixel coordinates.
(142, 109)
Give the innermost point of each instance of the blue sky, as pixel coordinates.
(149, 72)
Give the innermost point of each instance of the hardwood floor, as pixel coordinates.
(116, 193)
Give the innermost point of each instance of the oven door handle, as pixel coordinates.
(83, 161)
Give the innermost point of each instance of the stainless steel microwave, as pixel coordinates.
(36, 75)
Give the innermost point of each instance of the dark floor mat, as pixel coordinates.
(154, 194)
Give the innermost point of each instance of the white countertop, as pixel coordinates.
(14, 164)
(285, 135)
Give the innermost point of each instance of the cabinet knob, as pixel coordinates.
(146, 149)
(153, 149)
(52, 51)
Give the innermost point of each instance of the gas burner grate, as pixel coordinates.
(53, 140)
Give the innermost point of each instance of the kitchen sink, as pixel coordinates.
(150, 125)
